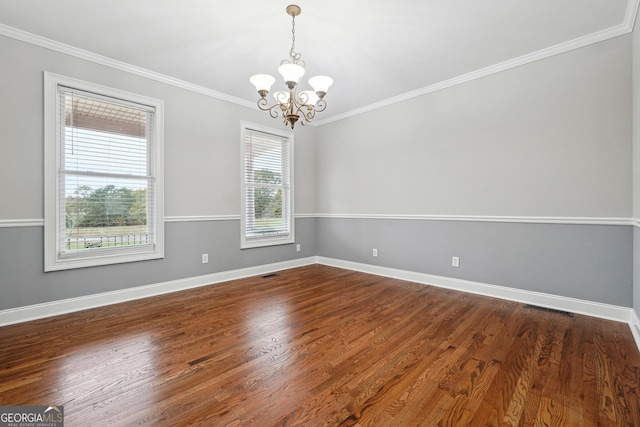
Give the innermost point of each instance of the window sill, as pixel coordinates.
(267, 241)
(99, 259)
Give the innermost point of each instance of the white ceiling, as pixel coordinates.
(377, 51)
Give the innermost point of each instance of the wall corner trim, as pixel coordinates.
(631, 14)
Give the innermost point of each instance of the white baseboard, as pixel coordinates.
(589, 308)
(573, 305)
(634, 324)
(54, 308)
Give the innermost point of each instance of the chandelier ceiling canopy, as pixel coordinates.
(293, 105)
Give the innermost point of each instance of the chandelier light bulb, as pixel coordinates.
(321, 84)
(309, 97)
(263, 83)
(292, 73)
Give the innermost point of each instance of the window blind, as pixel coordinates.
(267, 185)
(106, 177)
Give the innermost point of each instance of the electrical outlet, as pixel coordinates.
(205, 258)
(298, 248)
(455, 261)
(375, 252)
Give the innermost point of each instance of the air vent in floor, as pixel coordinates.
(550, 310)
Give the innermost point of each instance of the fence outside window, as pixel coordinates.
(88, 242)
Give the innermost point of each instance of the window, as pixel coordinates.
(267, 187)
(103, 175)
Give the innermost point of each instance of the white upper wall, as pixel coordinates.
(547, 139)
(202, 138)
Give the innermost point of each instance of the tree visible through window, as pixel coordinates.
(267, 200)
(267, 211)
(106, 168)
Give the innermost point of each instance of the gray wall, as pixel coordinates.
(202, 179)
(23, 281)
(551, 139)
(589, 262)
(202, 134)
(548, 139)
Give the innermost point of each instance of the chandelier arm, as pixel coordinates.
(303, 120)
(303, 99)
(310, 114)
(262, 104)
(320, 105)
(304, 110)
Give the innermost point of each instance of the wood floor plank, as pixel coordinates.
(322, 346)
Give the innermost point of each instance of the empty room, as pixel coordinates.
(320, 213)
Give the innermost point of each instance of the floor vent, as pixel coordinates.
(266, 276)
(550, 310)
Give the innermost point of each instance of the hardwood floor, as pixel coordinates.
(320, 346)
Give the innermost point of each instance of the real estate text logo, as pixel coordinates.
(31, 416)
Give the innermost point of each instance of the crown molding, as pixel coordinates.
(624, 28)
(46, 43)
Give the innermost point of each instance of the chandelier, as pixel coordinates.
(292, 105)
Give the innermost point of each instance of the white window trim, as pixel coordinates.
(256, 242)
(52, 259)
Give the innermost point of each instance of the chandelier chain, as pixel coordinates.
(295, 57)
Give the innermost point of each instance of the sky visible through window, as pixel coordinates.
(95, 154)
